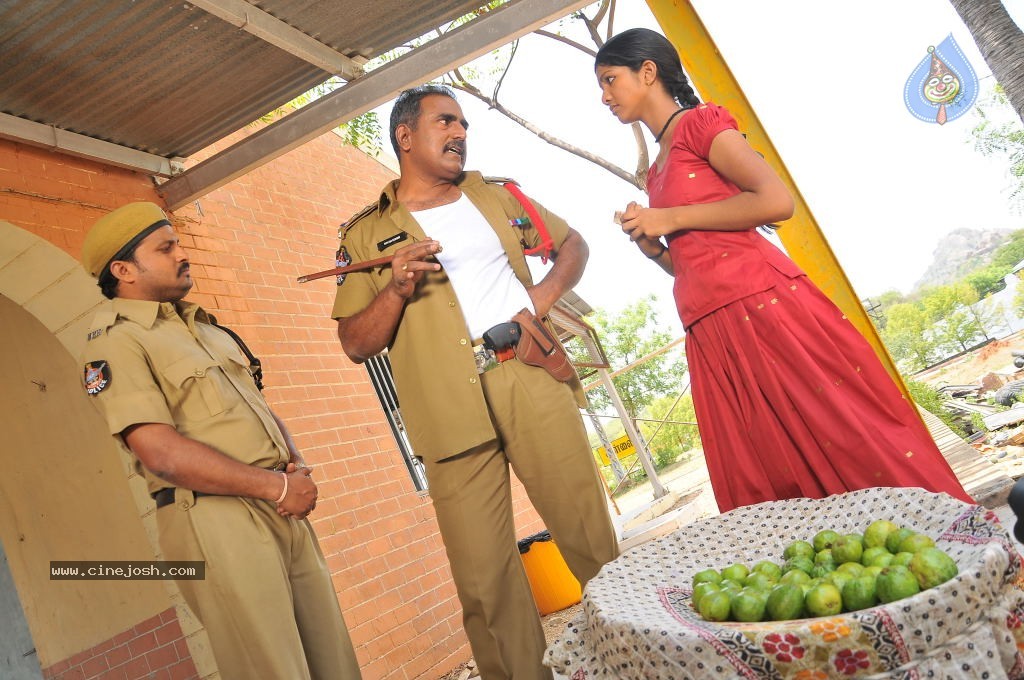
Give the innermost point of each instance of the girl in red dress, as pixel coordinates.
(791, 401)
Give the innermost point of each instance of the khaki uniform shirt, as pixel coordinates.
(146, 363)
(442, 402)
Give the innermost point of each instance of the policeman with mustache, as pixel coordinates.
(231, 490)
(471, 408)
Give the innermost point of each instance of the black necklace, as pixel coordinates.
(661, 134)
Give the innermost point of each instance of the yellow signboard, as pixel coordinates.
(623, 449)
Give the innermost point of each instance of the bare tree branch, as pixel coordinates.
(457, 80)
(643, 161)
(501, 78)
(549, 138)
(611, 19)
(568, 41)
(591, 25)
(601, 11)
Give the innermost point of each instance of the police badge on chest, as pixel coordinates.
(342, 259)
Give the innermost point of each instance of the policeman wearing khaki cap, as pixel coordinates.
(231, 490)
(115, 235)
(113, 247)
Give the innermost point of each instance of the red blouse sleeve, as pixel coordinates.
(704, 124)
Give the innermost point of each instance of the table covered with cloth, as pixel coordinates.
(637, 620)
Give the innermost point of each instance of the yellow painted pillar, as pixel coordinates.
(801, 235)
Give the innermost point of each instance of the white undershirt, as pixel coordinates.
(477, 266)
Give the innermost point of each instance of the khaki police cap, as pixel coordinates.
(117, 229)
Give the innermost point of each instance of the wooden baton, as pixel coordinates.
(358, 267)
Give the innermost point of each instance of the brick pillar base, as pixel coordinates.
(154, 649)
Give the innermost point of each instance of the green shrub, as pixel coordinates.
(928, 398)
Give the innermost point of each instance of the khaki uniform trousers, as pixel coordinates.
(267, 602)
(541, 434)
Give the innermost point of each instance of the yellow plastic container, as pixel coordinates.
(553, 585)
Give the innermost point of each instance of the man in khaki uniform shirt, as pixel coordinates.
(459, 268)
(231, 489)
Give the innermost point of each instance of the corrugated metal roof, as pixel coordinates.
(166, 77)
(366, 29)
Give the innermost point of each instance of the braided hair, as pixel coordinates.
(633, 47)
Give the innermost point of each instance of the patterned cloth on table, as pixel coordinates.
(637, 620)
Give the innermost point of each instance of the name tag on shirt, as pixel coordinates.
(392, 240)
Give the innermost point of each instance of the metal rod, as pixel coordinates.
(651, 420)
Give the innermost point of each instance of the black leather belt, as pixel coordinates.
(166, 496)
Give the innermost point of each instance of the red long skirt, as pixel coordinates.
(792, 401)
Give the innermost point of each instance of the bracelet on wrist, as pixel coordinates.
(657, 254)
(284, 491)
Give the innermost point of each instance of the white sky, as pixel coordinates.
(826, 80)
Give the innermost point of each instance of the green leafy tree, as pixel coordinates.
(987, 318)
(889, 298)
(949, 309)
(630, 335)
(1010, 254)
(958, 331)
(1018, 300)
(877, 306)
(987, 280)
(991, 317)
(907, 335)
(929, 324)
(999, 133)
(678, 434)
(363, 132)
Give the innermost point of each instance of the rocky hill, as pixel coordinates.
(959, 252)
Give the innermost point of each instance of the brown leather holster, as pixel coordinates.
(537, 347)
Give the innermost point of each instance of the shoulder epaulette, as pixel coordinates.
(500, 180)
(345, 226)
(103, 320)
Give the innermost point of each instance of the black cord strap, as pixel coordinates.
(659, 253)
(671, 118)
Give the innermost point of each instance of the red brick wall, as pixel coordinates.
(58, 197)
(151, 650)
(248, 241)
